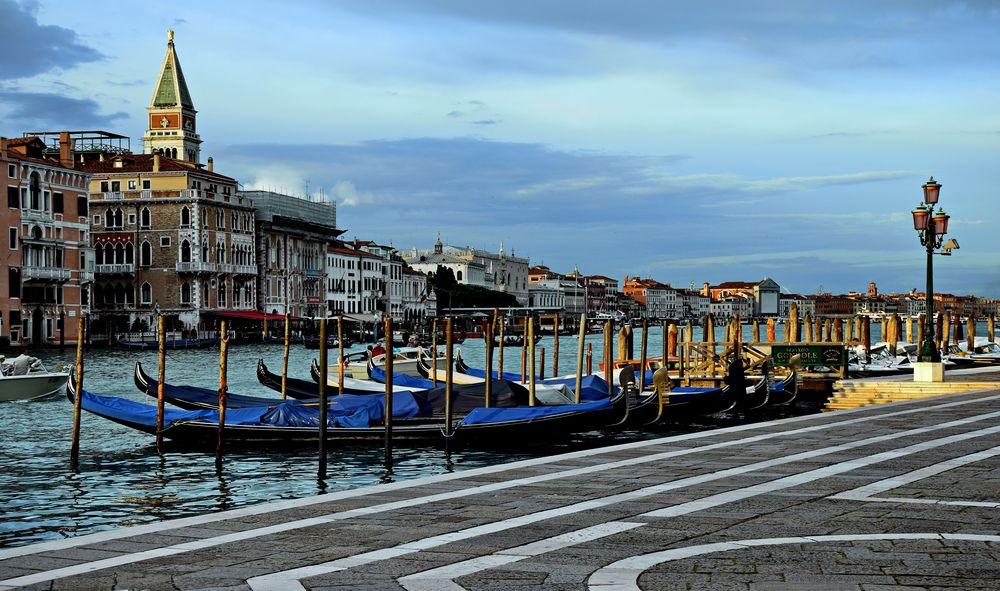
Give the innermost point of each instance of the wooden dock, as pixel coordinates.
(892, 496)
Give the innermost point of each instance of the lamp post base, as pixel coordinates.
(928, 372)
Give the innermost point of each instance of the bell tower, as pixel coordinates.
(172, 129)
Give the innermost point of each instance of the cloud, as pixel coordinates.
(29, 48)
(349, 196)
(34, 109)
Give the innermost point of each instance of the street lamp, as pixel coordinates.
(931, 227)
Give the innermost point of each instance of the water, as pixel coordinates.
(121, 480)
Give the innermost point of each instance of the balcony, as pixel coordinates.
(45, 274)
(115, 269)
(195, 267)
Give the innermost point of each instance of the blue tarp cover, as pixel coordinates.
(482, 416)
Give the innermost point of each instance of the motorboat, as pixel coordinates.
(35, 381)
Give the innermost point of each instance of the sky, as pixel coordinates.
(685, 141)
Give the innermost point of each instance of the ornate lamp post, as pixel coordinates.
(931, 227)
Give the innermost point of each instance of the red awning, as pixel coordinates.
(249, 315)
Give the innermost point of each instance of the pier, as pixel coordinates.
(889, 496)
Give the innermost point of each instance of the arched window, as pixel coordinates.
(185, 252)
(185, 293)
(119, 254)
(145, 254)
(35, 190)
(129, 254)
(185, 217)
(146, 294)
(458, 276)
(145, 219)
(99, 256)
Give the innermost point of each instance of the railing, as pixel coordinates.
(195, 267)
(45, 273)
(118, 268)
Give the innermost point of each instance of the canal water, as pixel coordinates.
(121, 480)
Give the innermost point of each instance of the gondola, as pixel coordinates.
(416, 417)
(196, 398)
(169, 344)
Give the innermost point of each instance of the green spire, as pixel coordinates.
(171, 83)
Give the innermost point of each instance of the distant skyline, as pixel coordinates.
(686, 142)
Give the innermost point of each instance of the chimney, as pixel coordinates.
(65, 150)
(156, 162)
(211, 162)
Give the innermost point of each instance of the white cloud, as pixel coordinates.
(349, 196)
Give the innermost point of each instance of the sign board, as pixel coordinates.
(829, 355)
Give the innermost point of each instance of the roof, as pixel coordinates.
(351, 252)
(171, 89)
(144, 163)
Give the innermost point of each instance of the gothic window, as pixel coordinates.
(185, 217)
(145, 219)
(185, 252)
(146, 294)
(34, 189)
(145, 254)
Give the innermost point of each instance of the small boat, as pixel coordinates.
(36, 383)
(331, 342)
(416, 416)
(169, 344)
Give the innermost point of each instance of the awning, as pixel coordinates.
(248, 315)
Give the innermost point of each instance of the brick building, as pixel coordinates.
(46, 267)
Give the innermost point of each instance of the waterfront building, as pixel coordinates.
(659, 299)
(170, 235)
(47, 267)
(467, 271)
(502, 272)
(764, 294)
(353, 281)
(804, 305)
(291, 236)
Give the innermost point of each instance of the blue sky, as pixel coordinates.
(685, 141)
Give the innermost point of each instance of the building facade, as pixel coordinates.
(292, 235)
(48, 264)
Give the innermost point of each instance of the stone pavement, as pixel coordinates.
(896, 496)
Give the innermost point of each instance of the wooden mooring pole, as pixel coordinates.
(74, 449)
(579, 356)
(284, 359)
(387, 421)
(161, 349)
(323, 399)
(223, 369)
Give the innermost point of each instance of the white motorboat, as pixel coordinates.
(36, 383)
